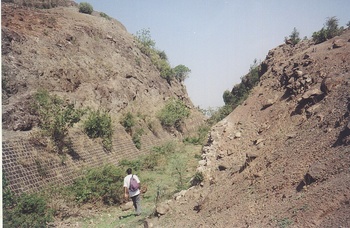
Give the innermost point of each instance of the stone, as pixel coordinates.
(268, 103)
(127, 206)
(202, 162)
(179, 195)
(299, 73)
(258, 141)
(162, 209)
(238, 134)
(251, 155)
(317, 171)
(338, 43)
(310, 93)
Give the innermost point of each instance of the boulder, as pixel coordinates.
(317, 171)
(338, 43)
(127, 206)
(310, 93)
(162, 209)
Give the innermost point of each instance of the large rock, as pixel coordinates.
(128, 206)
(162, 209)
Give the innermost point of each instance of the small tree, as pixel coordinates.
(181, 72)
(56, 117)
(329, 30)
(146, 43)
(228, 97)
(85, 7)
(99, 124)
(294, 36)
(332, 27)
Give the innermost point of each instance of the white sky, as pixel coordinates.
(219, 39)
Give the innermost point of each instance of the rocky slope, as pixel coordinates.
(87, 59)
(282, 159)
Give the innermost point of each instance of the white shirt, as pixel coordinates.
(127, 184)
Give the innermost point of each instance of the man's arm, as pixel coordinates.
(126, 192)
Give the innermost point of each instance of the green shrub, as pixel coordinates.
(159, 58)
(178, 168)
(151, 161)
(220, 114)
(85, 7)
(294, 36)
(200, 139)
(166, 148)
(102, 184)
(174, 112)
(128, 121)
(105, 16)
(136, 138)
(30, 210)
(7, 196)
(181, 72)
(329, 30)
(238, 94)
(158, 155)
(135, 165)
(146, 44)
(99, 125)
(55, 117)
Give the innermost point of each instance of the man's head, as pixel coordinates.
(129, 171)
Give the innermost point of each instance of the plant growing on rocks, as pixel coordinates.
(201, 136)
(85, 7)
(181, 72)
(329, 30)
(136, 138)
(294, 36)
(159, 58)
(99, 125)
(128, 122)
(56, 117)
(173, 114)
(104, 15)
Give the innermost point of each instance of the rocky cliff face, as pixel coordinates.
(86, 59)
(282, 158)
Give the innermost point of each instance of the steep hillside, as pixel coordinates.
(89, 60)
(283, 157)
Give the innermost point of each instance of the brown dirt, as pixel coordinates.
(87, 59)
(283, 157)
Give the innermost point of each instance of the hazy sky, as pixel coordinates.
(219, 39)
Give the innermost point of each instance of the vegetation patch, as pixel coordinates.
(99, 125)
(173, 114)
(159, 58)
(55, 118)
(102, 184)
(329, 30)
(27, 210)
(86, 8)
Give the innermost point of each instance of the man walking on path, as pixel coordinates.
(132, 193)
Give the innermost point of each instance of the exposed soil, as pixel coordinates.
(283, 157)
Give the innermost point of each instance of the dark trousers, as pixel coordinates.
(137, 203)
